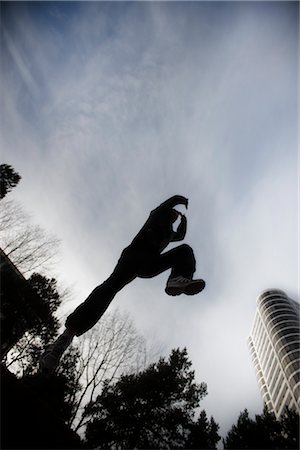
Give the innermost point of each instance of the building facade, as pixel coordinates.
(274, 347)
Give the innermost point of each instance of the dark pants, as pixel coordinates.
(131, 264)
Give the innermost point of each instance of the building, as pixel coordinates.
(274, 346)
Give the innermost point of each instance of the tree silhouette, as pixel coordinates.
(203, 433)
(24, 356)
(28, 245)
(264, 432)
(113, 346)
(36, 397)
(290, 428)
(152, 409)
(9, 178)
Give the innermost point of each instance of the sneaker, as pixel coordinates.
(50, 359)
(182, 285)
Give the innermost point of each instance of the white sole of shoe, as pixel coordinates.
(190, 289)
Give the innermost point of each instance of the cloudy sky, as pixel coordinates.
(110, 108)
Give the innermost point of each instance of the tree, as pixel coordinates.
(70, 382)
(264, 432)
(56, 389)
(240, 433)
(203, 433)
(9, 178)
(28, 246)
(290, 428)
(154, 408)
(113, 346)
(24, 356)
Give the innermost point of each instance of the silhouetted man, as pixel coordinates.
(142, 258)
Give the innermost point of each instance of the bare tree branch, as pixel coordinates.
(107, 350)
(28, 246)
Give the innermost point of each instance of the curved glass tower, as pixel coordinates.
(274, 346)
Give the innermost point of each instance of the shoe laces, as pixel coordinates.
(180, 279)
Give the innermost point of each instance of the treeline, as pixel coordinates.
(110, 387)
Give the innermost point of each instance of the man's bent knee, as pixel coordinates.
(185, 248)
(187, 253)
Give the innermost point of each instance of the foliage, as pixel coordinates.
(154, 408)
(290, 428)
(67, 373)
(35, 413)
(24, 356)
(46, 289)
(203, 433)
(9, 178)
(264, 432)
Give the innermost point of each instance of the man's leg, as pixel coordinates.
(181, 261)
(87, 314)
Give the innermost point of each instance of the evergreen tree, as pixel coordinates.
(55, 392)
(9, 178)
(203, 433)
(24, 356)
(154, 408)
(265, 432)
(290, 428)
(241, 435)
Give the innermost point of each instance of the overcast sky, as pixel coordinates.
(111, 108)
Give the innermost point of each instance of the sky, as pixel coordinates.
(110, 108)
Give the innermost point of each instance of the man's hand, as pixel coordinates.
(179, 234)
(173, 201)
(185, 202)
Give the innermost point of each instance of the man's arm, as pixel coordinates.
(173, 201)
(180, 233)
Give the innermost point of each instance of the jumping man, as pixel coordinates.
(142, 258)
